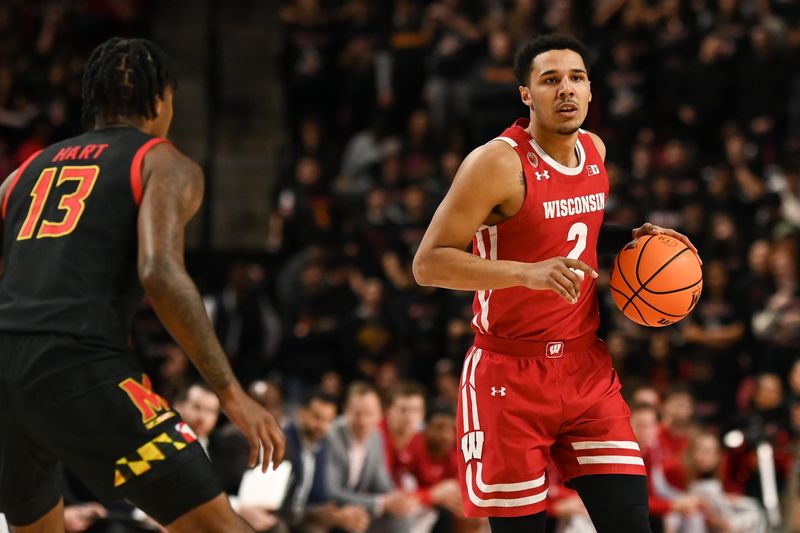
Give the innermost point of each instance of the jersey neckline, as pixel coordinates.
(563, 169)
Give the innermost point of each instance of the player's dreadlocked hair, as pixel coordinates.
(123, 77)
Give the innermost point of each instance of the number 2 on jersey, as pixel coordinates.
(579, 231)
(73, 203)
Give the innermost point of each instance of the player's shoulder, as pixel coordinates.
(598, 143)
(167, 155)
(494, 158)
(166, 164)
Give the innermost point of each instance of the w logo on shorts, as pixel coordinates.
(472, 446)
(554, 349)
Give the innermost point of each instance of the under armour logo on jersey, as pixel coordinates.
(544, 174)
(554, 350)
(592, 170)
(498, 390)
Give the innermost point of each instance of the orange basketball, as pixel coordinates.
(656, 280)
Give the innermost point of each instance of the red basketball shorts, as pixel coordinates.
(561, 400)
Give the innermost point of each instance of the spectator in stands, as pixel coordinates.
(491, 89)
(422, 462)
(677, 426)
(666, 501)
(700, 476)
(645, 395)
(777, 323)
(436, 469)
(714, 333)
(356, 463)
(455, 33)
(245, 321)
(269, 393)
(306, 504)
(405, 414)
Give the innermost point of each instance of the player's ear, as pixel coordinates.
(525, 95)
(590, 91)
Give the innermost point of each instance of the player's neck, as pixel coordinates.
(559, 147)
(123, 122)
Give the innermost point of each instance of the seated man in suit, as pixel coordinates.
(356, 464)
(307, 506)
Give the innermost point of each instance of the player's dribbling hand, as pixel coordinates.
(258, 426)
(651, 229)
(561, 275)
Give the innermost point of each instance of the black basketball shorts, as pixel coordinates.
(69, 400)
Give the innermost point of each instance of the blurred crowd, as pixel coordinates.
(698, 102)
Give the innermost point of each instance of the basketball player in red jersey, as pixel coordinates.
(538, 383)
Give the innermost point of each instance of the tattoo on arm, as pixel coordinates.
(172, 196)
(184, 315)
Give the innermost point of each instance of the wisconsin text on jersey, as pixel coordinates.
(575, 206)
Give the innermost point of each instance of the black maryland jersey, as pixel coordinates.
(70, 237)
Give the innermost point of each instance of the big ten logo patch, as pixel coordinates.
(154, 408)
(175, 439)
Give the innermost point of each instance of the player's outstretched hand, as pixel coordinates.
(560, 275)
(651, 229)
(258, 426)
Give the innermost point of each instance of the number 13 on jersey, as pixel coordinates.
(72, 203)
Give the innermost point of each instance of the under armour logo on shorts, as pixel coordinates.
(498, 390)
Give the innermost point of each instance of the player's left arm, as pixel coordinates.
(613, 236)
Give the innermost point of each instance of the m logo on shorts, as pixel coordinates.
(472, 446)
(153, 407)
(554, 350)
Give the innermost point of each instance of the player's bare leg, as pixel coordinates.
(215, 516)
(51, 522)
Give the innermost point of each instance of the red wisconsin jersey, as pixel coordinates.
(561, 216)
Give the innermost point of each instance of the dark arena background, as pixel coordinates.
(329, 131)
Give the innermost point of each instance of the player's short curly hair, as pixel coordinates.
(123, 77)
(528, 52)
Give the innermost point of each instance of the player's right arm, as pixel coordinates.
(173, 191)
(488, 180)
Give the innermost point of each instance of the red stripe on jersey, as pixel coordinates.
(16, 178)
(136, 167)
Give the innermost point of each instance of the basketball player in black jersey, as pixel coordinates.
(86, 224)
